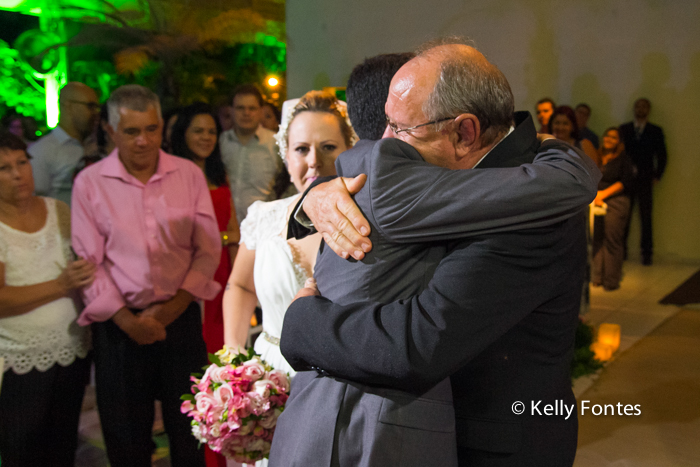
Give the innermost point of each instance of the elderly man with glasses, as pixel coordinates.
(56, 155)
(464, 298)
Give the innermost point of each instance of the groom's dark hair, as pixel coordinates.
(367, 91)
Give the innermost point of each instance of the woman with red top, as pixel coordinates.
(195, 136)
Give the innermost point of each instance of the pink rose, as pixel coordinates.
(258, 405)
(223, 394)
(204, 402)
(220, 374)
(280, 379)
(253, 370)
(208, 407)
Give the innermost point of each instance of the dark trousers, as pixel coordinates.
(130, 377)
(39, 415)
(609, 242)
(642, 193)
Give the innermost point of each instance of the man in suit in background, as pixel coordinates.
(501, 308)
(644, 143)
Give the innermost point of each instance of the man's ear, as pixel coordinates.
(468, 134)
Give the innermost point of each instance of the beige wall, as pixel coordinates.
(604, 52)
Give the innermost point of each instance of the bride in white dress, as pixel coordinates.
(269, 268)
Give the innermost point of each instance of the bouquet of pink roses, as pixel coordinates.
(234, 406)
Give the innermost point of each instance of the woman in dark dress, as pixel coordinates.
(609, 232)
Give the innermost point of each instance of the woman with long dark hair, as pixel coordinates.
(613, 191)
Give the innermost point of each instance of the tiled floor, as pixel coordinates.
(635, 305)
(657, 367)
(635, 308)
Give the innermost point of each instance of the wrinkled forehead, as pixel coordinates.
(131, 118)
(411, 86)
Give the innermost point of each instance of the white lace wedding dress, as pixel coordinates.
(278, 277)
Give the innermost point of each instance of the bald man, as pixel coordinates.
(56, 155)
(473, 275)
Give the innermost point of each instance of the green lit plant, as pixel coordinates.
(19, 91)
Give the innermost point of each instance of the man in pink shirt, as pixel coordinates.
(145, 218)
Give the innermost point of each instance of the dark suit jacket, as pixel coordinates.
(407, 344)
(648, 152)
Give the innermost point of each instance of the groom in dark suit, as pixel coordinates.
(500, 311)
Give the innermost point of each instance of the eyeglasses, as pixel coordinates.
(93, 106)
(396, 129)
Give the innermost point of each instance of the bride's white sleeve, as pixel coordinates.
(250, 227)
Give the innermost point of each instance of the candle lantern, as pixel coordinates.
(609, 334)
(603, 352)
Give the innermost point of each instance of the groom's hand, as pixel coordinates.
(310, 289)
(335, 214)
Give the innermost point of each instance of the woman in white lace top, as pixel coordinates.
(44, 351)
(269, 268)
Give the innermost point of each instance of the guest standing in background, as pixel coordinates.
(271, 117)
(98, 145)
(249, 152)
(224, 113)
(545, 109)
(45, 351)
(23, 127)
(195, 137)
(609, 232)
(646, 147)
(146, 219)
(583, 113)
(563, 126)
(56, 155)
(169, 120)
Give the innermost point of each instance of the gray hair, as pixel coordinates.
(468, 84)
(132, 97)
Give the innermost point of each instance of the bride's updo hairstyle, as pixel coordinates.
(315, 101)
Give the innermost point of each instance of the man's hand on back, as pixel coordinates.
(335, 214)
(310, 289)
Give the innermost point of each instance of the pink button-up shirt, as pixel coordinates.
(148, 240)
